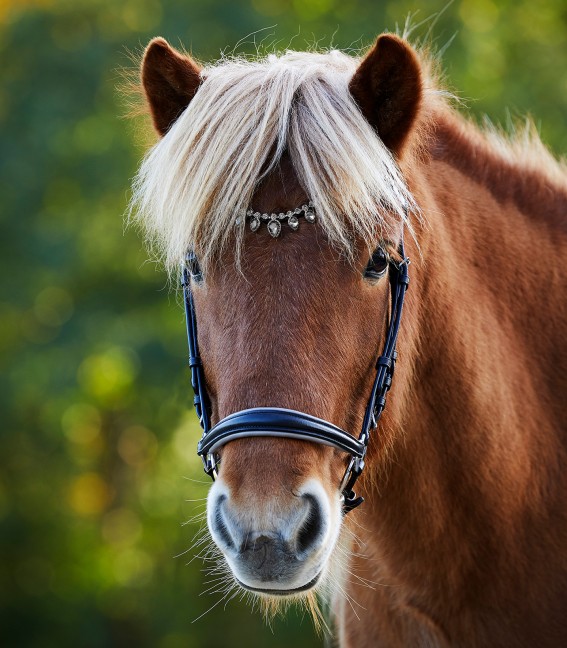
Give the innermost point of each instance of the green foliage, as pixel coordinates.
(98, 440)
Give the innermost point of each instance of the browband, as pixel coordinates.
(291, 424)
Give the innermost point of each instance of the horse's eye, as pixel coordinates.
(377, 265)
(194, 268)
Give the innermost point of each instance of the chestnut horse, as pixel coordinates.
(462, 539)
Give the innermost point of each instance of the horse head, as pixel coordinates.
(282, 178)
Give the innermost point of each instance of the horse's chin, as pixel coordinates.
(283, 592)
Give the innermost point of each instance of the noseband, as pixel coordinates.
(291, 424)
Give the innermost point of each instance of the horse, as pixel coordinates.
(296, 189)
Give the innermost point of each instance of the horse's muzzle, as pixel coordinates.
(273, 550)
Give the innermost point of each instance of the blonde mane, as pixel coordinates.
(193, 184)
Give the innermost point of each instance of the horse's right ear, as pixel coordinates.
(387, 87)
(170, 81)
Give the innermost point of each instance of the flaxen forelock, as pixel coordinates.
(193, 183)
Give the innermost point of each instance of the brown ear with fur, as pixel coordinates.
(387, 88)
(170, 81)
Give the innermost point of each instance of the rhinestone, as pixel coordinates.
(293, 222)
(289, 213)
(274, 227)
(310, 216)
(249, 212)
(297, 210)
(254, 224)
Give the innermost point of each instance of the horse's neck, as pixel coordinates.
(477, 452)
(492, 290)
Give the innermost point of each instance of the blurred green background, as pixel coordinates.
(97, 441)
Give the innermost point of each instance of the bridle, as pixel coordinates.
(291, 424)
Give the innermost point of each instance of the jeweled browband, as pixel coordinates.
(275, 220)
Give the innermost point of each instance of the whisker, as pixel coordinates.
(197, 481)
(212, 607)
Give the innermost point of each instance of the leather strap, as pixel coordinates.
(200, 399)
(278, 422)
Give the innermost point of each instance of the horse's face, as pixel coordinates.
(298, 328)
(295, 325)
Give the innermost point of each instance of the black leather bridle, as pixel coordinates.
(291, 424)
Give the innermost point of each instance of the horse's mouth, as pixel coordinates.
(282, 592)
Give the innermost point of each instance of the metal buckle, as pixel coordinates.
(348, 497)
(210, 463)
(346, 476)
(354, 468)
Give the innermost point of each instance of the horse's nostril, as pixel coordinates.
(220, 525)
(311, 528)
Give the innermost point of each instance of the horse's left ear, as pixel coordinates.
(387, 89)
(170, 81)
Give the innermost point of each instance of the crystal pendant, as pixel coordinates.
(254, 223)
(293, 222)
(310, 216)
(274, 227)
